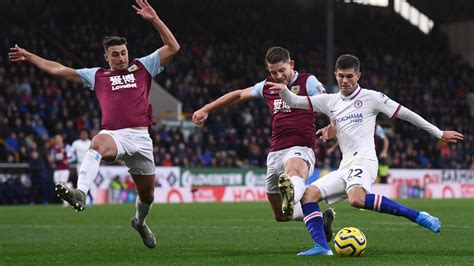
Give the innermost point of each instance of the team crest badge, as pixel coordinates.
(295, 89)
(358, 104)
(132, 68)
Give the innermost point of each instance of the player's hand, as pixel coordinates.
(275, 87)
(328, 132)
(452, 136)
(200, 116)
(145, 10)
(383, 155)
(17, 54)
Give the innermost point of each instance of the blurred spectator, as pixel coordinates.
(38, 175)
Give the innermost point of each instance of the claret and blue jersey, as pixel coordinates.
(123, 95)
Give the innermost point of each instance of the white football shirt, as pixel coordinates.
(80, 147)
(355, 117)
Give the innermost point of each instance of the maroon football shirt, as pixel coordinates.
(61, 160)
(290, 127)
(123, 97)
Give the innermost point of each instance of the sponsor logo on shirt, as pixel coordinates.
(123, 82)
(280, 106)
(351, 118)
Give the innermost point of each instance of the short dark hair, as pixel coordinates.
(347, 61)
(84, 130)
(276, 55)
(112, 41)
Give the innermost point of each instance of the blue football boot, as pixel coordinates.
(317, 250)
(426, 220)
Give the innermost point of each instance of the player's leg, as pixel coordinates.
(89, 202)
(359, 180)
(330, 188)
(298, 165)
(103, 146)
(292, 183)
(142, 168)
(274, 167)
(145, 190)
(360, 199)
(275, 202)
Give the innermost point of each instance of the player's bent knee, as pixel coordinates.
(311, 194)
(99, 144)
(356, 197)
(104, 145)
(356, 202)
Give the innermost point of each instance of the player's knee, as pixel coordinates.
(296, 167)
(104, 144)
(98, 144)
(311, 194)
(147, 198)
(356, 202)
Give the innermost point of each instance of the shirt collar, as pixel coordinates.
(352, 95)
(295, 76)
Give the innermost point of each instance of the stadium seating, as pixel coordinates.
(223, 46)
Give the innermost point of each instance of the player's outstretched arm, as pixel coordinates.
(170, 44)
(200, 116)
(18, 54)
(293, 100)
(412, 117)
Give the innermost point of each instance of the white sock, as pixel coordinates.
(298, 186)
(88, 170)
(297, 212)
(142, 211)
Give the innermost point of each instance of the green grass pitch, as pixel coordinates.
(226, 233)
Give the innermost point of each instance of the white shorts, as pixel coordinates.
(61, 176)
(135, 148)
(358, 173)
(276, 162)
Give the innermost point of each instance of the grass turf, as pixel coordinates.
(226, 233)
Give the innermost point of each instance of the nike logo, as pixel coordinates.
(332, 111)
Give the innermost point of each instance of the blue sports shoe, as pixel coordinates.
(428, 221)
(317, 250)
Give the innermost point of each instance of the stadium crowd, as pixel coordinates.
(220, 52)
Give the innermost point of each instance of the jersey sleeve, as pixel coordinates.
(257, 91)
(383, 104)
(313, 86)
(152, 63)
(319, 103)
(87, 76)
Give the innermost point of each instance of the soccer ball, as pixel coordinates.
(350, 241)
